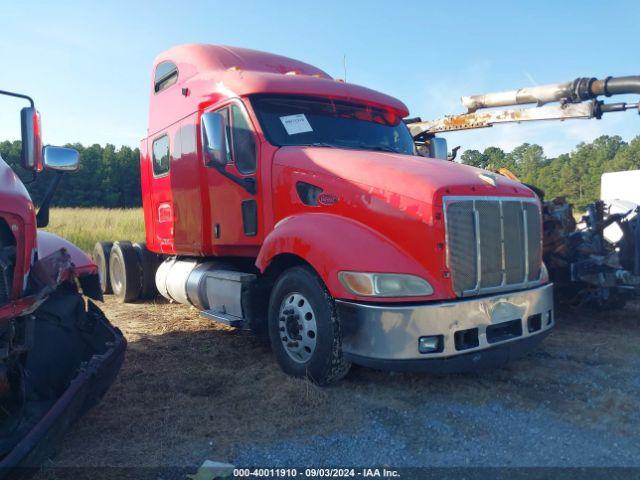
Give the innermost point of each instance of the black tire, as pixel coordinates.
(101, 252)
(148, 264)
(125, 272)
(326, 363)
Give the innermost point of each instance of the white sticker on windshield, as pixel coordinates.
(294, 124)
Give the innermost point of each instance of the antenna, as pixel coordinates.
(344, 66)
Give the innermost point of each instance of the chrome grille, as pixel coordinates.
(493, 243)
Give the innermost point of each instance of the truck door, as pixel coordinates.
(162, 148)
(236, 214)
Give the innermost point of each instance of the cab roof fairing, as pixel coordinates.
(240, 72)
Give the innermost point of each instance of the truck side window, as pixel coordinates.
(161, 159)
(244, 143)
(166, 75)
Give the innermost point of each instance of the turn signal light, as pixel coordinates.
(358, 283)
(385, 284)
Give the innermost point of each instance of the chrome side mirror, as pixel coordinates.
(31, 139)
(61, 159)
(438, 148)
(214, 139)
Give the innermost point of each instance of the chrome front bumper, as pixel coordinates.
(474, 333)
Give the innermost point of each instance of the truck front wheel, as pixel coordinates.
(304, 327)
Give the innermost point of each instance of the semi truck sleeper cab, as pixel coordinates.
(280, 199)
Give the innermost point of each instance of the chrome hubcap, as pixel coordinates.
(116, 277)
(297, 325)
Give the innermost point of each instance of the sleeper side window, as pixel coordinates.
(161, 160)
(166, 75)
(244, 143)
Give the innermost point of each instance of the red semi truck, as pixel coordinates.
(58, 352)
(280, 199)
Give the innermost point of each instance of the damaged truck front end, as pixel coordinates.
(594, 263)
(58, 352)
(59, 356)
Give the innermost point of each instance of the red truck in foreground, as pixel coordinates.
(279, 199)
(58, 352)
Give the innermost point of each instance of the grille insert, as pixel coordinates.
(504, 331)
(466, 339)
(493, 243)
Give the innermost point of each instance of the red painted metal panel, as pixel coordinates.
(382, 212)
(17, 210)
(49, 243)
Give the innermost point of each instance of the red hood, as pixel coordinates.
(416, 177)
(14, 197)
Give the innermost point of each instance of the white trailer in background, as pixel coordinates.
(621, 193)
(621, 187)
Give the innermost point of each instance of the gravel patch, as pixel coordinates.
(453, 434)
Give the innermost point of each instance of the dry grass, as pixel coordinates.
(191, 389)
(86, 226)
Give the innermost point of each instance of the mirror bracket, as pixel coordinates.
(42, 217)
(33, 178)
(248, 183)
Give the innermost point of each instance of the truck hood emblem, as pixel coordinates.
(327, 199)
(488, 178)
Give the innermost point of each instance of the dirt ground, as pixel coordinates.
(192, 390)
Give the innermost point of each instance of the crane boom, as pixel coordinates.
(577, 100)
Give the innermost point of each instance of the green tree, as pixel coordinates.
(474, 158)
(108, 177)
(528, 160)
(497, 158)
(627, 157)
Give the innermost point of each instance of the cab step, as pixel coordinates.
(222, 317)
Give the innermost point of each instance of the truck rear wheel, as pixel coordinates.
(148, 264)
(304, 327)
(101, 253)
(124, 271)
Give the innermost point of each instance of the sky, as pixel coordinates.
(87, 64)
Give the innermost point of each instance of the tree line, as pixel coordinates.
(110, 177)
(575, 175)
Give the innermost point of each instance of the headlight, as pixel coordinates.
(385, 284)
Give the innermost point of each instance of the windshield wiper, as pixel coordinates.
(317, 144)
(379, 148)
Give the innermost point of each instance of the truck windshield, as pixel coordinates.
(323, 122)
